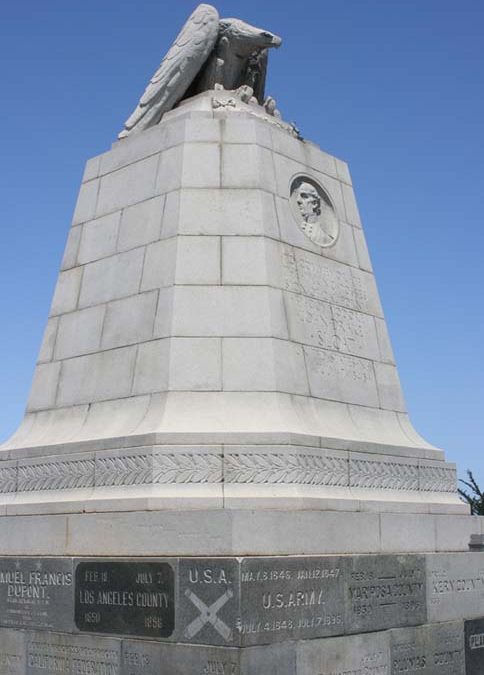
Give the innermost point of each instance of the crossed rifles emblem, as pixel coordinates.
(208, 615)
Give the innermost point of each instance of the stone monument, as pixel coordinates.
(216, 473)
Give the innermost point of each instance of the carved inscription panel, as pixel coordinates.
(143, 658)
(72, 655)
(291, 598)
(340, 377)
(12, 652)
(455, 586)
(384, 591)
(208, 604)
(36, 593)
(325, 279)
(319, 324)
(434, 649)
(349, 655)
(474, 646)
(126, 598)
(140, 658)
(356, 333)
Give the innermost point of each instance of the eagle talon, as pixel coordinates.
(245, 93)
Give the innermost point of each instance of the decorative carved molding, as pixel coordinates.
(159, 469)
(8, 479)
(209, 467)
(231, 103)
(438, 479)
(223, 103)
(284, 468)
(187, 468)
(381, 474)
(75, 473)
(124, 470)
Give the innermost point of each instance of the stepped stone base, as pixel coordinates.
(289, 615)
(436, 649)
(239, 532)
(230, 471)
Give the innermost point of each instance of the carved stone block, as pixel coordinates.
(455, 586)
(291, 598)
(126, 597)
(384, 591)
(143, 658)
(474, 646)
(433, 649)
(208, 600)
(12, 652)
(70, 655)
(355, 655)
(36, 593)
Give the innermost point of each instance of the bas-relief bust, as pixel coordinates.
(313, 211)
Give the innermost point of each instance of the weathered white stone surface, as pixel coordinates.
(193, 302)
(98, 238)
(141, 223)
(149, 527)
(79, 332)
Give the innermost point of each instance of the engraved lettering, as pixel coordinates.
(207, 576)
(296, 599)
(134, 598)
(409, 663)
(31, 591)
(72, 659)
(476, 641)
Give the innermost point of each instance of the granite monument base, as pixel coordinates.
(238, 532)
(216, 473)
(209, 346)
(287, 615)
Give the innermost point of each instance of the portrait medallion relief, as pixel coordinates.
(313, 211)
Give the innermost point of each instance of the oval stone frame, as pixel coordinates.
(313, 211)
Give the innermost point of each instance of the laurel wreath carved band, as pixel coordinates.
(259, 468)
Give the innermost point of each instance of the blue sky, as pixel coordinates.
(395, 87)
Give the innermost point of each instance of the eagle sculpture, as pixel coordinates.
(209, 53)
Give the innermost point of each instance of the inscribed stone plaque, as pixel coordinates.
(127, 598)
(474, 646)
(278, 659)
(12, 652)
(433, 649)
(72, 654)
(36, 593)
(455, 586)
(291, 598)
(143, 658)
(384, 591)
(349, 655)
(208, 600)
(140, 658)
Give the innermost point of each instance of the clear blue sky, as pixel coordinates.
(395, 87)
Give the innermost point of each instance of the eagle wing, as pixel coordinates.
(178, 69)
